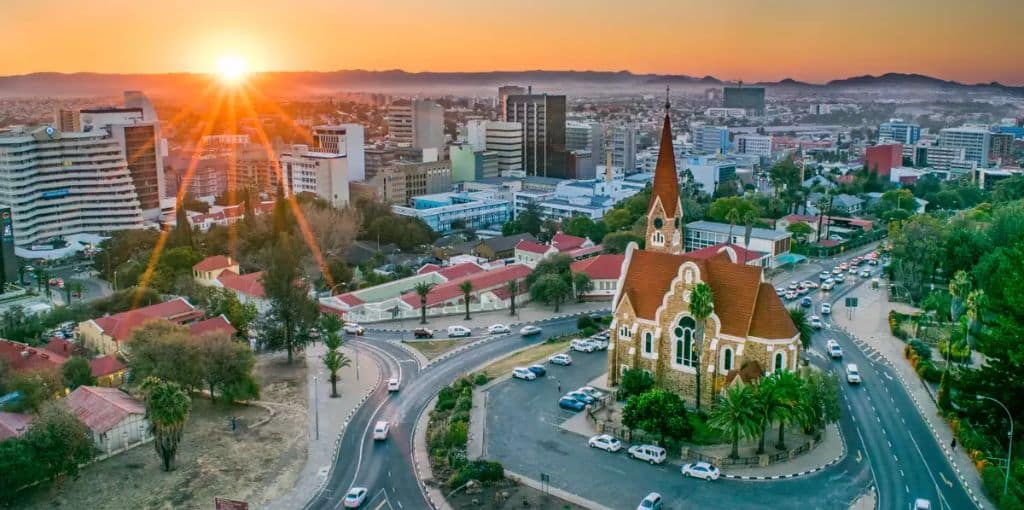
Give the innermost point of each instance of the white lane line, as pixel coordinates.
(929, 469)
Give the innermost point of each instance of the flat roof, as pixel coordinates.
(723, 228)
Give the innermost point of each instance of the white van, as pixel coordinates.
(852, 374)
(456, 331)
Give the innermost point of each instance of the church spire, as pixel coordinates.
(666, 181)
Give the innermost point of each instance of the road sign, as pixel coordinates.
(851, 302)
(229, 504)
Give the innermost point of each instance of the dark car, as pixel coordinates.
(537, 369)
(423, 333)
(805, 302)
(571, 404)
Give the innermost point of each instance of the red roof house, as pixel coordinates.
(106, 334)
(13, 424)
(116, 420)
(25, 358)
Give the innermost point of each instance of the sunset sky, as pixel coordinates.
(971, 41)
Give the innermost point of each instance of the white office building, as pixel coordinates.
(347, 140)
(61, 184)
(623, 145)
(584, 135)
(417, 123)
(321, 173)
(504, 139)
(757, 145)
(974, 141)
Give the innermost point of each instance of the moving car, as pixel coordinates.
(571, 404)
(701, 470)
(605, 442)
(498, 329)
(824, 275)
(809, 284)
(828, 285)
(865, 273)
(355, 497)
(805, 302)
(922, 504)
(530, 330)
(651, 502)
(826, 309)
(791, 295)
(780, 291)
(815, 322)
(380, 431)
(834, 351)
(840, 278)
(852, 374)
(457, 331)
(353, 328)
(647, 453)
(793, 285)
(423, 333)
(582, 346)
(394, 384)
(560, 359)
(582, 397)
(539, 370)
(523, 373)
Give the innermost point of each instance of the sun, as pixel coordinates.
(232, 69)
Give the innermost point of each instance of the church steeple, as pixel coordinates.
(664, 211)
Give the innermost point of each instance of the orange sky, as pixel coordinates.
(972, 41)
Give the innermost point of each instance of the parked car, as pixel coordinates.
(355, 497)
(582, 397)
(591, 391)
(423, 333)
(647, 453)
(582, 346)
(834, 351)
(498, 329)
(605, 442)
(826, 309)
(599, 343)
(806, 302)
(394, 384)
(530, 330)
(353, 328)
(560, 359)
(539, 370)
(523, 373)
(815, 322)
(571, 404)
(458, 331)
(873, 262)
(824, 275)
(651, 502)
(701, 470)
(380, 431)
(852, 374)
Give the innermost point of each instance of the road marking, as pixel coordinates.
(381, 505)
(901, 473)
(894, 457)
(907, 488)
(944, 480)
(929, 469)
(890, 444)
(859, 457)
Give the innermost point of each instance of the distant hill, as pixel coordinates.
(481, 83)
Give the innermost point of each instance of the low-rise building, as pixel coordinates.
(702, 234)
(13, 425)
(115, 420)
(444, 212)
(109, 334)
(530, 253)
(604, 271)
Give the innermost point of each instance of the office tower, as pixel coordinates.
(417, 123)
(402, 181)
(896, 130)
(881, 159)
(543, 120)
(136, 99)
(504, 139)
(939, 158)
(8, 259)
(503, 93)
(748, 98)
(61, 184)
(974, 141)
(758, 145)
(580, 164)
(322, 174)
(623, 146)
(469, 164)
(255, 169)
(347, 140)
(67, 120)
(584, 136)
(208, 176)
(710, 139)
(1001, 147)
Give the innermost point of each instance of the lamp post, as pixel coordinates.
(1009, 448)
(316, 408)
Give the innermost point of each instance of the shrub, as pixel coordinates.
(702, 433)
(458, 434)
(481, 379)
(484, 471)
(634, 382)
(928, 371)
(588, 331)
(920, 348)
(583, 322)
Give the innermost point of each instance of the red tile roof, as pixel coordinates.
(532, 247)
(460, 270)
(120, 326)
(483, 281)
(106, 365)
(349, 299)
(666, 181)
(601, 267)
(748, 373)
(101, 409)
(428, 268)
(743, 255)
(583, 252)
(24, 358)
(211, 325)
(214, 263)
(13, 424)
(60, 346)
(249, 284)
(564, 242)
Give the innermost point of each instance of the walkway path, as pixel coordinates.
(870, 325)
(328, 419)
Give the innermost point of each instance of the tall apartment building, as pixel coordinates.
(1001, 147)
(503, 93)
(896, 130)
(255, 169)
(60, 184)
(939, 158)
(323, 174)
(400, 182)
(201, 175)
(881, 159)
(347, 140)
(974, 141)
(504, 139)
(750, 99)
(67, 120)
(543, 126)
(622, 140)
(710, 139)
(417, 123)
(758, 145)
(587, 136)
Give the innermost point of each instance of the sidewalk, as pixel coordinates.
(531, 312)
(334, 414)
(870, 324)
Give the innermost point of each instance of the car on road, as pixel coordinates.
(539, 370)
(582, 397)
(605, 442)
(780, 291)
(836, 270)
(824, 275)
(828, 285)
(809, 284)
(380, 431)
(560, 359)
(651, 502)
(647, 453)
(523, 373)
(826, 309)
(803, 290)
(806, 302)
(793, 285)
(394, 384)
(598, 342)
(815, 322)
(921, 504)
(840, 278)
(582, 346)
(791, 295)
(852, 374)
(458, 331)
(423, 333)
(530, 330)
(834, 351)
(353, 328)
(355, 497)
(571, 404)
(865, 273)
(498, 329)
(873, 262)
(701, 470)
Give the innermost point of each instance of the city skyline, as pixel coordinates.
(742, 41)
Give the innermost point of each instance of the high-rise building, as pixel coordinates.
(60, 184)
(401, 181)
(323, 174)
(896, 130)
(201, 175)
(504, 139)
(347, 140)
(543, 123)
(469, 164)
(710, 139)
(623, 145)
(8, 259)
(939, 158)
(881, 159)
(580, 164)
(584, 136)
(416, 123)
(974, 141)
(758, 145)
(748, 98)
(136, 99)
(67, 120)
(1001, 147)
(255, 169)
(503, 93)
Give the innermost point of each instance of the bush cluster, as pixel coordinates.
(448, 433)
(920, 356)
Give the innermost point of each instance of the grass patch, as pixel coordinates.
(526, 356)
(434, 348)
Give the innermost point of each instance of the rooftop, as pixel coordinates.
(101, 409)
(723, 228)
(120, 326)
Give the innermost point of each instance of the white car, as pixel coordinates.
(529, 330)
(560, 359)
(826, 309)
(651, 502)
(355, 497)
(380, 431)
(865, 274)
(457, 331)
(598, 342)
(701, 470)
(647, 453)
(394, 384)
(498, 329)
(828, 285)
(852, 374)
(582, 346)
(523, 373)
(791, 295)
(824, 275)
(834, 351)
(793, 285)
(591, 391)
(922, 504)
(815, 322)
(840, 278)
(353, 329)
(605, 442)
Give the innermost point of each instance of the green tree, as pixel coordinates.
(800, 230)
(227, 367)
(618, 219)
(423, 290)
(513, 290)
(583, 284)
(77, 373)
(635, 381)
(240, 315)
(788, 387)
(466, 287)
(182, 227)
(579, 226)
(767, 401)
(36, 387)
(702, 305)
(799, 318)
(1008, 190)
(819, 401)
(166, 351)
(721, 209)
(616, 242)
(735, 416)
(167, 409)
(550, 289)
(292, 312)
(334, 360)
(19, 466)
(658, 412)
(59, 441)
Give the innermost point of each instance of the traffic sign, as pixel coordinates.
(851, 302)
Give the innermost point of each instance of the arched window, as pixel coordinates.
(727, 360)
(683, 333)
(780, 361)
(658, 238)
(648, 342)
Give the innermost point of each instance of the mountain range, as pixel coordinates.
(301, 83)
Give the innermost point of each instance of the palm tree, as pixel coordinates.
(976, 301)
(732, 217)
(788, 387)
(799, 318)
(767, 402)
(735, 415)
(422, 290)
(749, 218)
(702, 305)
(467, 293)
(959, 289)
(513, 289)
(335, 360)
(167, 409)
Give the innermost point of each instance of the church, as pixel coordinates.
(748, 335)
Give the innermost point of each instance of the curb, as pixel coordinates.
(836, 460)
(510, 324)
(558, 493)
(420, 440)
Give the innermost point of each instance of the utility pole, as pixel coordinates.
(316, 408)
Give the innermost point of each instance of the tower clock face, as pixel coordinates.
(658, 222)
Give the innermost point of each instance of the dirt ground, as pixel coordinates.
(253, 464)
(536, 354)
(434, 348)
(518, 496)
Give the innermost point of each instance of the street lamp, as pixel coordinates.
(1009, 448)
(316, 408)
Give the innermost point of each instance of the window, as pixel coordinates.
(648, 342)
(727, 360)
(683, 333)
(624, 331)
(658, 238)
(780, 361)
(658, 223)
